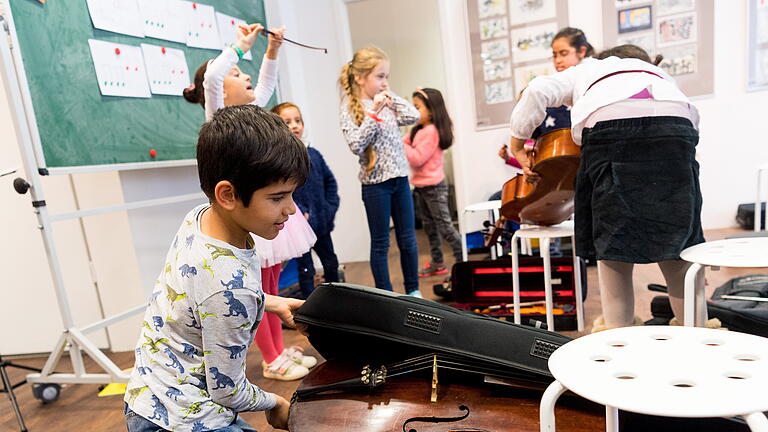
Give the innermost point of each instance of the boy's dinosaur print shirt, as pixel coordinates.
(201, 318)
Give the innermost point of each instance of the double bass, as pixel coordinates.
(556, 159)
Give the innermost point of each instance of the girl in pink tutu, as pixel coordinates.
(220, 83)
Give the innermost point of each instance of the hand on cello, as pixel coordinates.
(524, 156)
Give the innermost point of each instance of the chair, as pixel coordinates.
(544, 234)
(666, 371)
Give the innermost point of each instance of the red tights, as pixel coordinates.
(269, 334)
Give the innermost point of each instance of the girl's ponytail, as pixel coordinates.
(363, 63)
(195, 93)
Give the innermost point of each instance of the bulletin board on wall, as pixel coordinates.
(510, 43)
(758, 45)
(682, 31)
(78, 125)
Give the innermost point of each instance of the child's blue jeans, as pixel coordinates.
(392, 199)
(137, 423)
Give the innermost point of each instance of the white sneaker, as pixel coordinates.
(416, 293)
(297, 355)
(283, 368)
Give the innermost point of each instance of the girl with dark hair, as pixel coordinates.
(638, 198)
(220, 83)
(424, 147)
(569, 48)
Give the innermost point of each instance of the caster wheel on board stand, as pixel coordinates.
(46, 393)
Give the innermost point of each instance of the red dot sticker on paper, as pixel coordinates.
(233, 22)
(162, 50)
(136, 69)
(152, 153)
(126, 68)
(194, 5)
(117, 51)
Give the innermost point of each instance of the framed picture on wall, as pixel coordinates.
(638, 18)
(757, 40)
(510, 43)
(678, 30)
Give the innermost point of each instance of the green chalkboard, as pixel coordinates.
(78, 126)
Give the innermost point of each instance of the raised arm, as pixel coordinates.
(268, 72)
(405, 113)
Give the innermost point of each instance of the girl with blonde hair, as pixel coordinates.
(371, 115)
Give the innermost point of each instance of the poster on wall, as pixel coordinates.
(757, 36)
(678, 30)
(510, 43)
(533, 43)
(527, 11)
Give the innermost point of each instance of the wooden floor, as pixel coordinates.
(80, 409)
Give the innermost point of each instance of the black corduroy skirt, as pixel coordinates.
(638, 198)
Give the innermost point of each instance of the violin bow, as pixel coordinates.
(324, 50)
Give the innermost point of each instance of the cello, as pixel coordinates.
(556, 159)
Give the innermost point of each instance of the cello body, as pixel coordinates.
(550, 201)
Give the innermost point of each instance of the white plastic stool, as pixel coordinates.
(664, 371)
(544, 234)
(492, 207)
(737, 252)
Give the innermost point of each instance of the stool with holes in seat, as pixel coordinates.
(736, 252)
(669, 371)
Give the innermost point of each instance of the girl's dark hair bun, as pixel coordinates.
(190, 94)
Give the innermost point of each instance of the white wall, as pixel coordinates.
(731, 146)
(308, 78)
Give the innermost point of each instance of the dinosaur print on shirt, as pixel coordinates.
(188, 271)
(161, 413)
(191, 375)
(236, 307)
(222, 381)
(235, 351)
(237, 280)
(220, 252)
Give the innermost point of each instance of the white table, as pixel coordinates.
(663, 371)
(493, 208)
(737, 252)
(544, 234)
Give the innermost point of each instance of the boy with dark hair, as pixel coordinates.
(190, 359)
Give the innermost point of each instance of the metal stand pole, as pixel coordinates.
(8, 388)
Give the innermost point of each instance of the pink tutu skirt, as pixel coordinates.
(294, 240)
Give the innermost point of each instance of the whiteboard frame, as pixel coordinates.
(24, 120)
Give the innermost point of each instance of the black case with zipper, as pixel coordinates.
(355, 322)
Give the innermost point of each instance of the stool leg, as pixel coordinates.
(547, 406)
(515, 278)
(544, 251)
(577, 284)
(491, 215)
(689, 294)
(462, 231)
(611, 419)
(756, 421)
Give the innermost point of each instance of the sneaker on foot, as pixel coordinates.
(431, 270)
(416, 293)
(283, 368)
(297, 355)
